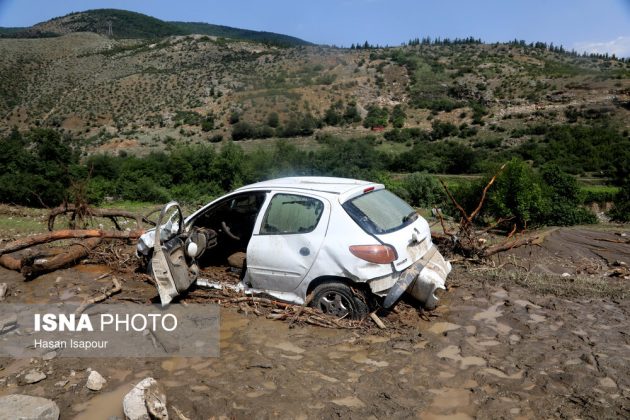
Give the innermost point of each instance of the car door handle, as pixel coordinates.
(305, 252)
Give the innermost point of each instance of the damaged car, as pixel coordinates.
(341, 245)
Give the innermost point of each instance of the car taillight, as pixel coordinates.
(378, 254)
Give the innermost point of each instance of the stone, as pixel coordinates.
(146, 399)
(95, 381)
(34, 376)
(27, 407)
(3, 290)
(50, 355)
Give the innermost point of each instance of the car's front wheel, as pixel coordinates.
(338, 300)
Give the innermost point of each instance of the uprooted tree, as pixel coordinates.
(467, 241)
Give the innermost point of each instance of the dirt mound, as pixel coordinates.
(573, 251)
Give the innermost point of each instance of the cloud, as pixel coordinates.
(619, 46)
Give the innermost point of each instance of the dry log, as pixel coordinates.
(10, 262)
(91, 212)
(34, 266)
(67, 234)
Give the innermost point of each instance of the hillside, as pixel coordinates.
(125, 24)
(139, 95)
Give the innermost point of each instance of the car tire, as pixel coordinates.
(338, 300)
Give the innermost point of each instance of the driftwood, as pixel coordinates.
(83, 211)
(33, 266)
(43, 238)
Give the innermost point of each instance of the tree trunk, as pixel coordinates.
(34, 266)
(67, 234)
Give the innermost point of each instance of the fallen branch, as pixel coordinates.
(33, 266)
(116, 289)
(67, 234)
(506, 246)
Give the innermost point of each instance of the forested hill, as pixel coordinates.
(121, 24)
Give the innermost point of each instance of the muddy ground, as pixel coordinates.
(514, 339)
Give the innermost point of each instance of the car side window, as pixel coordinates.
(290, 213)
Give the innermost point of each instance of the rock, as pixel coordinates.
(27, 407)
(565, 275)
(34, 376)
(62, 383)
(95, 381)
(146, 399)
(155, 400)
(50, 355)
(3, 290)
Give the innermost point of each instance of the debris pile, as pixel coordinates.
(27, 255)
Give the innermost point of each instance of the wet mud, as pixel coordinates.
(490, 350)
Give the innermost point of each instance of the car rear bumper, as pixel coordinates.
(421, 280)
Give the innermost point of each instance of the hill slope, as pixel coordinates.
(140, 95)
(126, 24)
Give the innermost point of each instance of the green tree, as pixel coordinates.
(517, 194)
(398, 117)
(376, 117)
(273, 120)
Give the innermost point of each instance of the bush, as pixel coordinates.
(398, 117)
(621, 210)
(422, 190)
(550, 197)
(564, 196)
(518, 194)
(376, 117)
(242, 130)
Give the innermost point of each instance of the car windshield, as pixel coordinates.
(380, 212)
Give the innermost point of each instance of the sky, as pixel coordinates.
(601, 26)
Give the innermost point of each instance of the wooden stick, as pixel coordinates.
(377, 321)
(116, 289)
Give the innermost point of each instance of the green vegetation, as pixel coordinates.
(126, 24)
(526, 197)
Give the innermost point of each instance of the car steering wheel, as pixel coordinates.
(228, 232)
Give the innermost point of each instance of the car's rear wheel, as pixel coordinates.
(338, 300)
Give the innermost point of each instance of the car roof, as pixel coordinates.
(325, 184)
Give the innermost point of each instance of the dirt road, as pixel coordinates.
(492, 349)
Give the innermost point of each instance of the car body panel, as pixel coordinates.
(280, 261)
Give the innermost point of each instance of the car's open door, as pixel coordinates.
(169, 265)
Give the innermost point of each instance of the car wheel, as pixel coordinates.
(338, 300)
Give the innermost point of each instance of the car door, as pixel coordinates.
(286, 241)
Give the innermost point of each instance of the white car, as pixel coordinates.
(341, 245)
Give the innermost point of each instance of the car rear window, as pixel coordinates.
(380, 212)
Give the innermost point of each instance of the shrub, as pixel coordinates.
(621, 210)
(376, 117)
(422, 190)
(242, 130)
(564, 196)
(518, 194)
